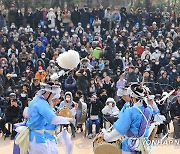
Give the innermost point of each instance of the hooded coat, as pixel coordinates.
(51, 69)
(107, 110)
(70, 105)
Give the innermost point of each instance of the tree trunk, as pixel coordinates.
(168, 4)
(174, 5)
(56, 3)
(131, 2)
(138, 3)
(148, 5)
(105, 3)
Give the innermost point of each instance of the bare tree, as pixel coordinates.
(148, 4)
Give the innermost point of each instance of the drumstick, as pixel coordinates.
(110, 128)
(168, 94)
(107, 120)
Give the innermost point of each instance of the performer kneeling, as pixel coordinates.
(132, 124)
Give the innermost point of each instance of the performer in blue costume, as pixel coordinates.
(39, 114)
(132, 124)
(50, 129)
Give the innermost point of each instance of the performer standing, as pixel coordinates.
(132, 124)
(51, 128)
(39, 114)
(50, 133)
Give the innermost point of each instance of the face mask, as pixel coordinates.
(157, 63)
(148, 69)
(42, 56)
(120, 45)
(40, 70)
(23, 95)
(174, 70)
(66, 34)
(88, 26)
(172, 30)
(19, 11)
(68, 99)
(23, 79)
(80, 31)
(57, 37)
(82, 49)
(81, 100)
(28, 26)
(27, 71)
(110, 105)
(51, 64)
(172, 58)
(156, 51)
(104, 96)
(167, 51)
(72, 30)
(162, 56)
(93, 100)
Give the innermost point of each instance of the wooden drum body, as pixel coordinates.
(100, 146)
(65, 112)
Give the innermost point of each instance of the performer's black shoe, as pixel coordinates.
(73, 135)
(7, 135)
(12, 137)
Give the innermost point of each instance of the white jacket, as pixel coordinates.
(111, 111)
(51, 17)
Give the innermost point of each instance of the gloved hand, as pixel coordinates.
(104, 130)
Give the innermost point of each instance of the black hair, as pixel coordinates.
(49, 96)
(144, 104)
(79, 92)
(140, 90)
(50, 83)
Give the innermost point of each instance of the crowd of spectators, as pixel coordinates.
(120, 46)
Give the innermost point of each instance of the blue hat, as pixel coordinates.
(137, 24)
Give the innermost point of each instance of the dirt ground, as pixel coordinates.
(83, 145)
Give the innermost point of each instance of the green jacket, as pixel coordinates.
(97, 53)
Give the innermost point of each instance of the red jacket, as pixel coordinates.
(139, 50)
